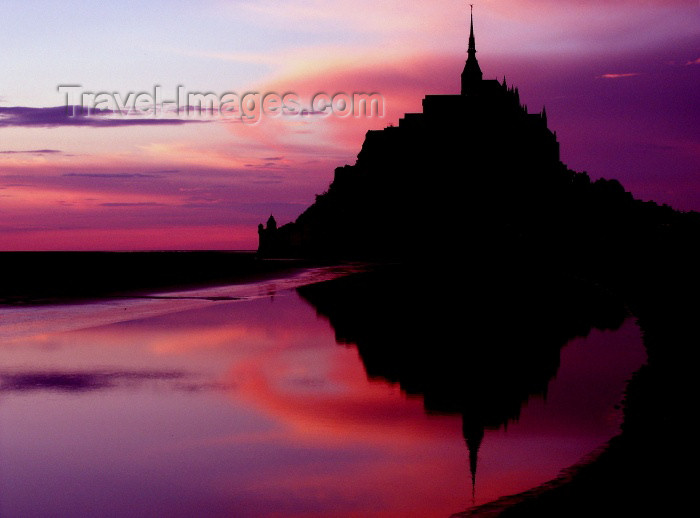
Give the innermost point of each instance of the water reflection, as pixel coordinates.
(250, 408)
(482, 357)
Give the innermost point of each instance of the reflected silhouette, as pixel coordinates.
(483, 358)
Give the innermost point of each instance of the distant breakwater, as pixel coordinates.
(45, 277)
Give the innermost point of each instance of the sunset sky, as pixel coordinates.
(620, 80)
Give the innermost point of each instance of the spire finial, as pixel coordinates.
(472, 45)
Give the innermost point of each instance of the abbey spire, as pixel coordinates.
(472, 44)
(471, 76)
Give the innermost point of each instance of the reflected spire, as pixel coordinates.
(471, 76)
(473, 435)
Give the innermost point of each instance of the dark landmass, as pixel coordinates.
(50, 277)
(471, 197)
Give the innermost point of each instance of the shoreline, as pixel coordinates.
(47, 278)
(112, 309)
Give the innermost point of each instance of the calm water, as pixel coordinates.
(187, 407)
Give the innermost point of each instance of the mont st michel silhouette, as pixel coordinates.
(476, 161)
(471, 197)
(385, 354)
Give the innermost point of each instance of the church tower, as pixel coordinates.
(471, 76)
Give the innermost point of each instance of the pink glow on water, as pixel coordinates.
(251, 408)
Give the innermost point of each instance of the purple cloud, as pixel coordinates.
(50, 117)
(112, 175)
(137, 204)
(32, 151)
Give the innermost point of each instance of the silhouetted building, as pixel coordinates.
(267, 237)
(469, 166)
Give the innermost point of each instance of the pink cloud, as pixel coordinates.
(618, 76)
(402, 84)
